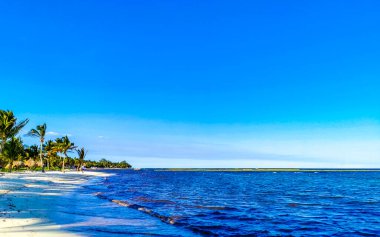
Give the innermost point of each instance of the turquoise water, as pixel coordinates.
(147, 202)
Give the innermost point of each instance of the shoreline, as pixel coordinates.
(71, 204)
(27, 201)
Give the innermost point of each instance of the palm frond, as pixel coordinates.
(16, 128)
(33, 133)
(81, 153)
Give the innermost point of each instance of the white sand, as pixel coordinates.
(26, 198)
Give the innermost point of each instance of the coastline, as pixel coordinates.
(138, 203)
(27, 201)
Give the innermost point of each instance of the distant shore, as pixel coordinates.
(27, 201)
(266, 170)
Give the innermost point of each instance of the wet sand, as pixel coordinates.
(27, 201)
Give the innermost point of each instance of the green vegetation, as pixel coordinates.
(12, 151)
(81, 155)
(54, 155)
(39, 132)
(9, 127)
(103, 163)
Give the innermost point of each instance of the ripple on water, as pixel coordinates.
(252, 204)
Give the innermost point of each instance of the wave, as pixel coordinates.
(173, 220)
(146, 199)
(166, 219)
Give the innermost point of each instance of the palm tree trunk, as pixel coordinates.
(63, 163)
(3, 141)
(42, 162)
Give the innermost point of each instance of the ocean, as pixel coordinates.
(179, 203)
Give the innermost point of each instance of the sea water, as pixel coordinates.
(174, 203)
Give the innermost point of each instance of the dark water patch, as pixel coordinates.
(166, 219)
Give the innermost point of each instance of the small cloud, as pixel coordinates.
(100, 137)
(52, 133)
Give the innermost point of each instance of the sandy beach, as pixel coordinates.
(27, 201)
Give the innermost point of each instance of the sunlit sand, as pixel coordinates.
(26, 200)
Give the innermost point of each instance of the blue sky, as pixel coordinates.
(199, 83)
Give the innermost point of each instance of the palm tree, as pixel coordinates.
(30, 154)
(50, 151)
(31, 151)
(81, 155)
(9, 126)
(64, 145)
(12, 150)
(40, 132)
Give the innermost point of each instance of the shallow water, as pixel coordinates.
(168, 203)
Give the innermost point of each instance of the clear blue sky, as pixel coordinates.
(199, 83)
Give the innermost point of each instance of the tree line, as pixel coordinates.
(50, 154)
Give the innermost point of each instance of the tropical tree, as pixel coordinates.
(30, 155)
(64, 145)
(31, 152)
(81, 155)
(70, 161)
(123, 164)
(40, 132)
(9, 127)
(104, 163)
(12, 151)
(50, 151)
